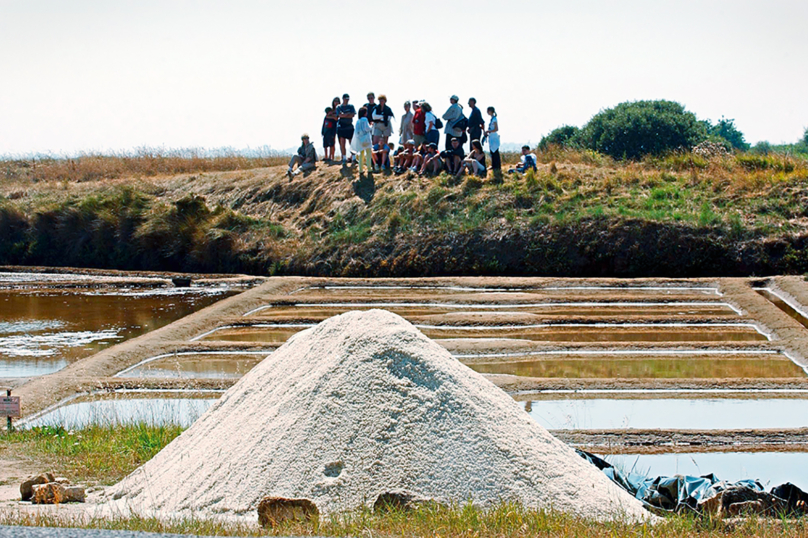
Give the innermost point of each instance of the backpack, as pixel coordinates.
(438, 123)
(461, 123)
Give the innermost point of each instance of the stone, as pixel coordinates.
(62, 480)
(27, 487)
(273, 511)
(746, 508)
(50, 493)
(74, 494)
(740, 500)
(402, 500)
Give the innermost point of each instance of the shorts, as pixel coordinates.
(329, 137)
(418, 139)
(380, 129)
(433, 136)
(345, 132)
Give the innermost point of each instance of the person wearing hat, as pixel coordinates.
(452, 115)
(345, 129)
(305, 159)
(381, 116)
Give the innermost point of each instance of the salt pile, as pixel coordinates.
(361, 405)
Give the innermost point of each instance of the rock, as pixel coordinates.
(62, 480)
(272, 511)
(402, 500)
(50, 493)
(74, 494)
(27, 487)
(746, 508)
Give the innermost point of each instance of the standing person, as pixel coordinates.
(452, 116)
(382, 126)
(329, 132)
(370, 105)
(476, 123)
(431, 127)
(335, 103)
(419, 124)
(306, 158)
(492, 133)
(405, 129)
(362, 142)
(345, 129)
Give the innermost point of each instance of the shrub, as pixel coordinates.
(562, 136)
(632, 130)
(725, 130)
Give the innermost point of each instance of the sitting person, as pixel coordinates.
(404, 157)
(475, 162)
(432, 164)
(528, 162)
(418, 158)
(305, 159)
(381, 156)
(453, 157)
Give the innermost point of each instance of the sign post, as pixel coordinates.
(10, 407)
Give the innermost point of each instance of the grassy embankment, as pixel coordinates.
(582, 214)
(104, 455)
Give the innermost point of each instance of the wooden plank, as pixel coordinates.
(10, 406)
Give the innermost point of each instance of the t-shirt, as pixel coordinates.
(345, 109)
(430, 118)
(329, 124)
(529, 161)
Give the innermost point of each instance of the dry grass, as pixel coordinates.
(144, 162)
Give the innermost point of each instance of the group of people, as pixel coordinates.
(367, 140)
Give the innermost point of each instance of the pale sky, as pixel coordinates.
(110, 75)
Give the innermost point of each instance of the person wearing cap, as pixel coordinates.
(476, 123)
(418, 124)
(405, 129)
(345, 129)
(305, 159)
(382, 124)
(452, 115)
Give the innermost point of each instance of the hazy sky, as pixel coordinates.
(112, 75)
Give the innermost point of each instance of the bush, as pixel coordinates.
(725, 130)
(562, 136)
(633, 130)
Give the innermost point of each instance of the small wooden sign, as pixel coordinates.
(10, 406)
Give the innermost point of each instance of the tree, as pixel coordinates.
(561, 136)
(726, 129)
(632, 130)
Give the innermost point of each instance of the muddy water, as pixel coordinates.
(771, 468)
(670, 413)
(313, 311)
(782, 305)
(764, 366)
(582, 333)
(198, 365)
(43, 331)
(156, 409)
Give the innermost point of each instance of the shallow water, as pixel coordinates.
(581, 333)
(377, 291)
(689, 367)
(782, 305)
(669, 413)
(178, 410)
(43, 331)
(771, 468)
(198, 365)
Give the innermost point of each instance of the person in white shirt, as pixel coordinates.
(492, 134)
(405, 130)
(430, 122)
(528, 162)
(381, 119)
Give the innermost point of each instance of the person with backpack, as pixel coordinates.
(433, 124)
(345, 129)
(456, 122)
(476, 124)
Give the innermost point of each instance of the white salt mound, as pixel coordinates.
(360, 405)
